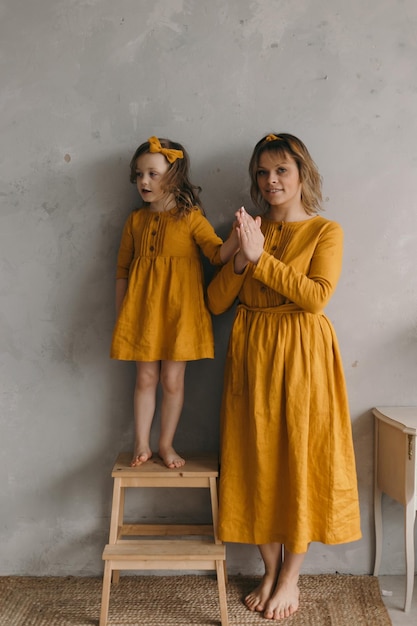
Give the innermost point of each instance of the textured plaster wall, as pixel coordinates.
(83, 82)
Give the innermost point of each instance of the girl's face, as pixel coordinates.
(150, 170)
(279, 180)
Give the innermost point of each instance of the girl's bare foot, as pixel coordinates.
(140, 457)
(171, 458)
(256, 600)
(284, 600)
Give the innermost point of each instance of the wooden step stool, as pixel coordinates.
(205, 553)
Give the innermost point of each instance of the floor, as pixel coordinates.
(393, 591)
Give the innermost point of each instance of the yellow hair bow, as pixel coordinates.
(170, 154)
(272, 137)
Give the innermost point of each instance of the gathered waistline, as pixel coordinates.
(281, 309)
(239, 338)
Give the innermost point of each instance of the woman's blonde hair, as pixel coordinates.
(285, 144)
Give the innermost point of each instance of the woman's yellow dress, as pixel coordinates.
(287, 469)
(164, 315)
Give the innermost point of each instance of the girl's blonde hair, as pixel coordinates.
(176, 180)
(284, 144)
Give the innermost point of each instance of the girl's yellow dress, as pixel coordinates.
(287, 469)
(164, 315)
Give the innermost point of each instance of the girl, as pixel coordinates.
(162, 319)
(287, 462)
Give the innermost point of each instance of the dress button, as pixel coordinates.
(263, 289)
(153, 233)
(152, 248)
(274, 248)
(156, 218)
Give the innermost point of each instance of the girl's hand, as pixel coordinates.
(251, 239)
(234, 236)
(231, 245)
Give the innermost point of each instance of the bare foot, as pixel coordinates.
(257, 599)
(141, 457)
(171, 458)
(284, 601)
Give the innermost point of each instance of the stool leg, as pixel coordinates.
(116, 521)
(116, 510)
(409, 552)
(214, 507)
(225, 571)
(221, 583)
(105, 596)
(377, 503)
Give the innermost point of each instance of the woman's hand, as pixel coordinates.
(251, 240)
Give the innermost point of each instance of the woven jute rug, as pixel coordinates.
(326, 600)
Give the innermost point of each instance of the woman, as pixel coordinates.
(287, 462)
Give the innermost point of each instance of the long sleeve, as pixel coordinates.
(126, 250)
(313, 290)
(224, 288)
(205, 237)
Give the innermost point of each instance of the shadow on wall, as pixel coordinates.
(104, 200)
(225, 183)
(76, 529)
(225, 187)
(362, 430)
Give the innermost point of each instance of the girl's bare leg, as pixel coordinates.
(144, 402)
(172, 381)
(272, 557)
(284, 599)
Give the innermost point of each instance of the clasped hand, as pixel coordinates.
(251, 239)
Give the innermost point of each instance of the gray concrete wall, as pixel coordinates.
(83, 82)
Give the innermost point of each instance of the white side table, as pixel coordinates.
(396, 475)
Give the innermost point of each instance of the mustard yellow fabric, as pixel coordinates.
(287, 470)
(164, 314)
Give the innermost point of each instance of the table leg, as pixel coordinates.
(378, 528)
(409, 517)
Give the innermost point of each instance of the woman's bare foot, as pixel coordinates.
(140, 457)
(256, 600)
(284, 600)
(171, 458)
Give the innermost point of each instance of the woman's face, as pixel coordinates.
(278, 180)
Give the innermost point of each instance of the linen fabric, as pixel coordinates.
(164, 314)
(287, 470)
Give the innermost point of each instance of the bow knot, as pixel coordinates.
(272, 137)
(170, 154)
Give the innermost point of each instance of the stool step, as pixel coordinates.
(160, 554)
(155, 550)
(202, 465)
